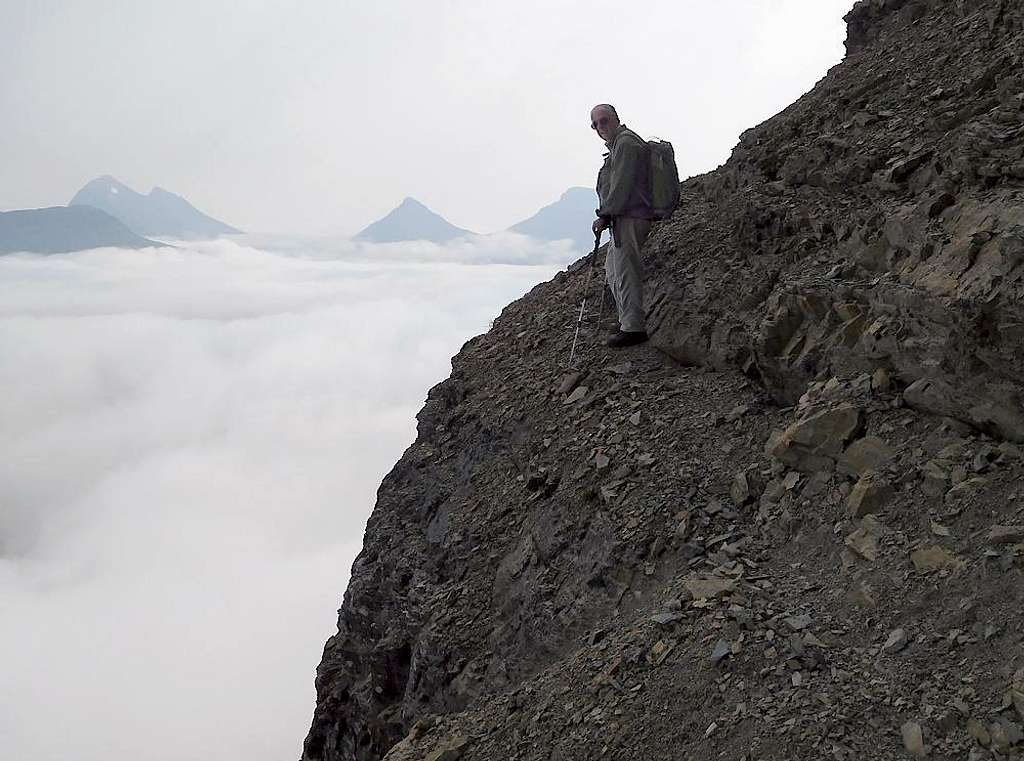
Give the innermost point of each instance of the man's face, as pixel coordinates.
(603, 120)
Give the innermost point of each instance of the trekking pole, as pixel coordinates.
(586, 290)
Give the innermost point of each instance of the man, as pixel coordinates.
(624, 191)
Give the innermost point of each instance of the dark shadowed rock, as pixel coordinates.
(817, 441)
(1006, 535)
(869, 495)
(864, 455)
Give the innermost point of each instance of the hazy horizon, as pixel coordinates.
(320, 118)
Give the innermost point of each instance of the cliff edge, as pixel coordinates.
(793, 527)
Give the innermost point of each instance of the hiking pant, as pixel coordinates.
(625, 271)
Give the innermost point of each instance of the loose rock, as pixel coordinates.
(815, 442)
(578, 395)
(710, 588)
(935, 559)
(870, 494)
(913, 739)
(1005, 535)
(569, 382)
(897, 641)
(866, 455)
(721, 651)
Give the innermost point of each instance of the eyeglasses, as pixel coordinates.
(603, 122)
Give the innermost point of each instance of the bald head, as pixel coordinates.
(605, 119)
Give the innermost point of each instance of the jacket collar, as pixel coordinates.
(611, 143)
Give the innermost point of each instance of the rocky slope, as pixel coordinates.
(794, 532)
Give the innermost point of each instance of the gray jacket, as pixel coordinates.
(624, 182)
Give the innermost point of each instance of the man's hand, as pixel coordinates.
(600, 224)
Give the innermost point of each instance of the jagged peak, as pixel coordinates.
(107, 182)
(578, 190)
(411, 203)
(865, 19)
(158, 212)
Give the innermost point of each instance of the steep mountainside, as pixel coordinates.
(411, 220)
(158, 213)
(794, 532)
(61, 229)
(564, 219)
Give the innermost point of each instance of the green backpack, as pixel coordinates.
(664, 175)
(664, 178)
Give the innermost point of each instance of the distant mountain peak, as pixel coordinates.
(577, 190)
(106, 182)
(411, 220)
(569, 218)
(159, 213)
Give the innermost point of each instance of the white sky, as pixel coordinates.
(281, 116)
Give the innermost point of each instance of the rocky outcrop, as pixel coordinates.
(793, 533)
(876, 223)
(865, 21)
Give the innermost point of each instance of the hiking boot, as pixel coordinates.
(625, 338)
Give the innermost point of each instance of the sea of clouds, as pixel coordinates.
(191, 438)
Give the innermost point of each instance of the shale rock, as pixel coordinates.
(869, 495)
(1005, 535)
(870, 453)
(913, 739)
(935, 559)
(815, 442)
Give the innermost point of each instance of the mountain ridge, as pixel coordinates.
(789, 528)
(160, 213)
(64, 229)
(568, 218)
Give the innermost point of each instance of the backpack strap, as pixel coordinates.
(635, 135)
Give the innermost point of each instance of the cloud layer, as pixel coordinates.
(192, 440)
(496, 248)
